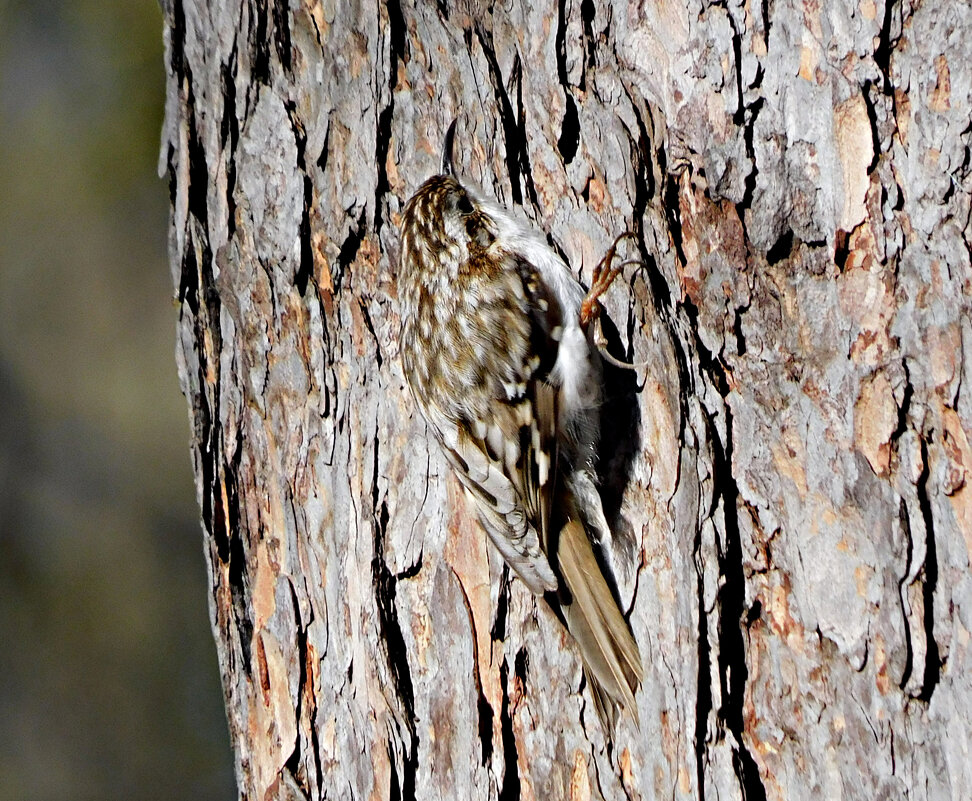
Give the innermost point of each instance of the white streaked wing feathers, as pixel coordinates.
(497, 498)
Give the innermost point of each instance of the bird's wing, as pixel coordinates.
(505, 454)
(485, 471)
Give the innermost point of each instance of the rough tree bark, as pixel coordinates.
(788, 476)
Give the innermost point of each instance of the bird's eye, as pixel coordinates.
(464, 205)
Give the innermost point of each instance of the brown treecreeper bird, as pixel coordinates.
(501, 365)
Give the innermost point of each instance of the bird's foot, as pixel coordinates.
(590, 312)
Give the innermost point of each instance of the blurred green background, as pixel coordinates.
(109, 685)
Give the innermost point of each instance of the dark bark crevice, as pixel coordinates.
(588, 11)
(749, 127)
(498, 630)
(198, 166)
(867, 92)
(733, 670)
(177, 39)
(570, 127)
(703, 697)
(560, 42)
(933, 661)
(569, 131)
(393, 643)
(396, 655)
(737, 329)
(510, 791)
(230, 133)
(781, 249)
(366, 316)
(731, 652)
(305, 267)
(305, 694)
(620, 442)
(891, 27)
(738, 116)
(766, 6)
(673, 215)
(905, 523)
(517, 158)
(349, 250)
(397, 53)
(483, 707)
(260, 43)
(281, 33)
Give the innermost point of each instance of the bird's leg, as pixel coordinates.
(590, 311)
(604, 275)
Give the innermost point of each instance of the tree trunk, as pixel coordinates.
(787, 476)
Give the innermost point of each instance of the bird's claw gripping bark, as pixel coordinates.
(590, 311)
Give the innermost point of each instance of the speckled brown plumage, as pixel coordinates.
(509, 384)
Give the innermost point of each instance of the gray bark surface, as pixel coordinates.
(787, 477)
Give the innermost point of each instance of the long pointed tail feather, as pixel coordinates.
(612, 661)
